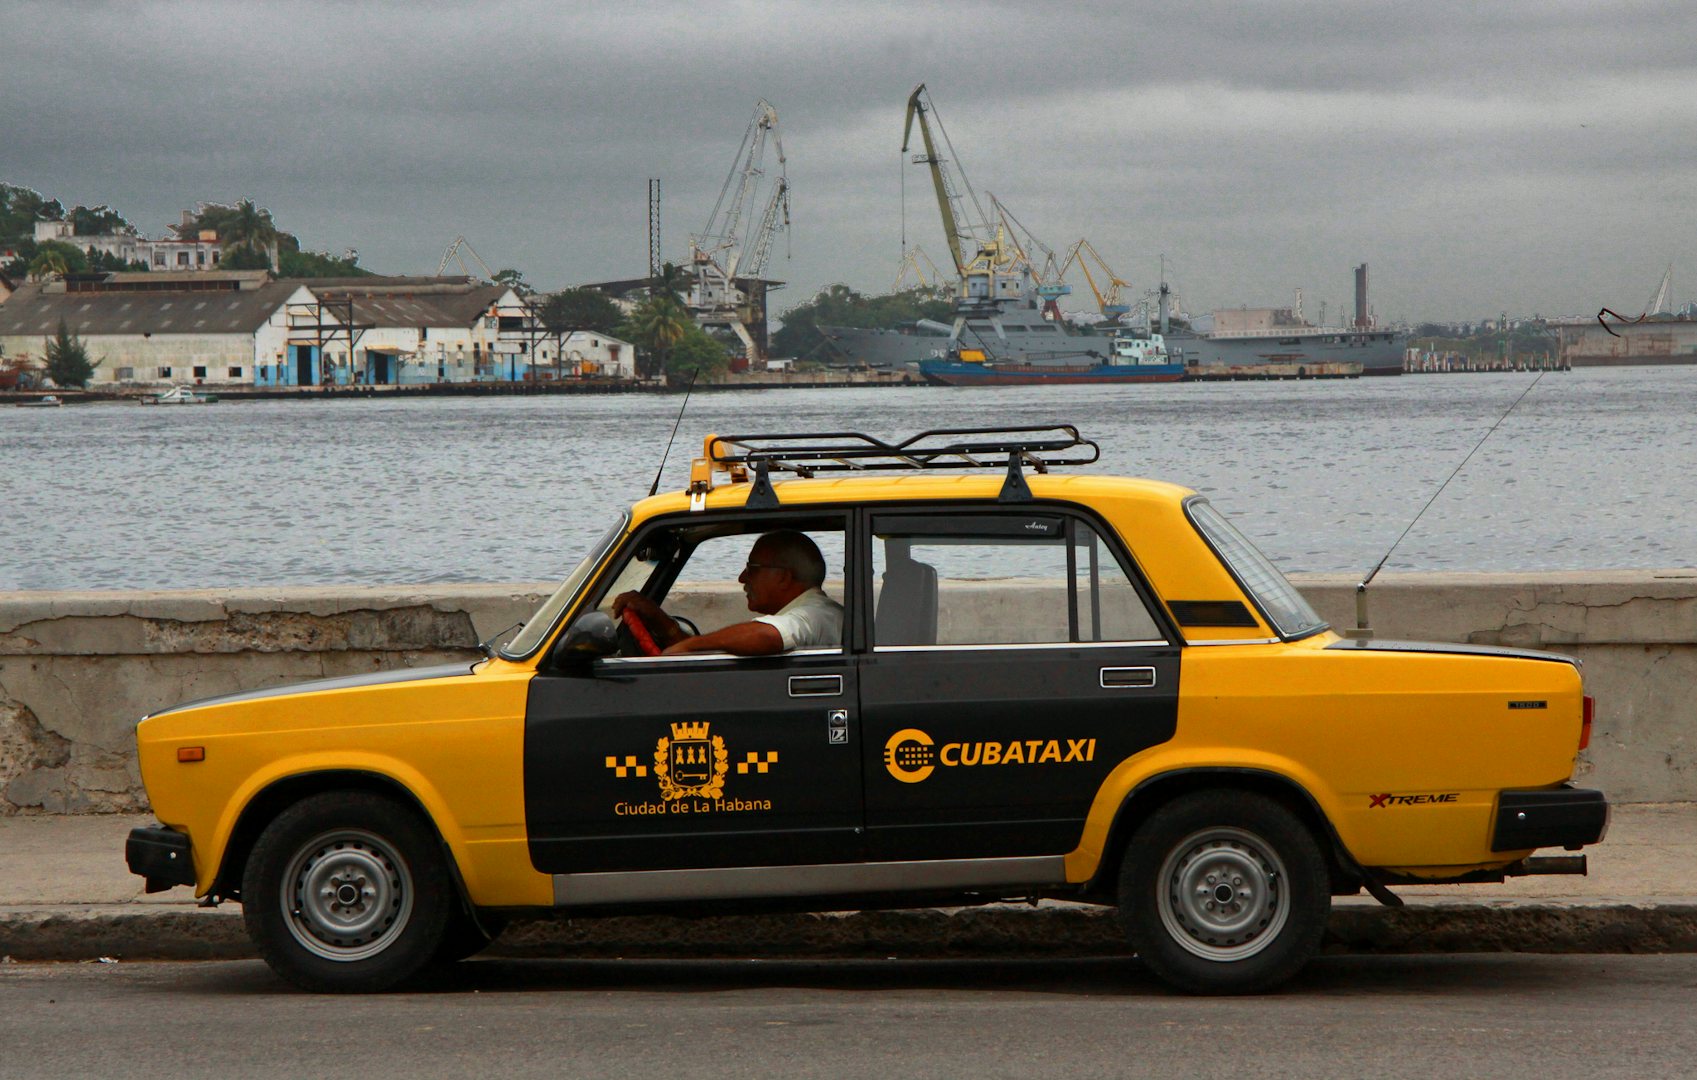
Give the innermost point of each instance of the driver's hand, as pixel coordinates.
(645, 608)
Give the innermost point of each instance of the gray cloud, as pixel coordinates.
(1527, 156)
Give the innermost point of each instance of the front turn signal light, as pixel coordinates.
(191, 753)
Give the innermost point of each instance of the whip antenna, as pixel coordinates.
(656, 485)
(1363, 631)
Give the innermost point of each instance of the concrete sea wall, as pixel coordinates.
(78, 669)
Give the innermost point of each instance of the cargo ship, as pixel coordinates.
(1015, 331)
(1130, 359)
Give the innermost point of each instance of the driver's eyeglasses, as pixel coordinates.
(748, 567)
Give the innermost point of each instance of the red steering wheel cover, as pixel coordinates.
(644, 640)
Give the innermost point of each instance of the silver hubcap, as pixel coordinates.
(1222, 894)
(347, 895)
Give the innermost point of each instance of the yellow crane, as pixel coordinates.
(1084, 253)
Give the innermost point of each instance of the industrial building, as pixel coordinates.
(246, 328)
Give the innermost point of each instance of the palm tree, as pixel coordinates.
(47, 264)
(659, 323)
(251, 229)
(671, 284)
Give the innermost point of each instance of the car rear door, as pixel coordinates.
(1014, 661)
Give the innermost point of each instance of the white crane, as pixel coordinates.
(453, 253)
(719, 254)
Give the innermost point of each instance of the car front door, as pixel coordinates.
(1014, 664)
(637, 764)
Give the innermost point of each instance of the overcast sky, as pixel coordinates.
(1535, 157)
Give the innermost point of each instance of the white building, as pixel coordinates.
(200, 254)
(152, 329)
(589, 353)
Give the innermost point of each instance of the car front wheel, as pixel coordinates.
(1224, 892)
(347, 892)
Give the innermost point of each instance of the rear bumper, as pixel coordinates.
(162, 856)
(1549, 817)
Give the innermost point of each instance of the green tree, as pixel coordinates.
(578, 309)
(250, 229)
(696, 353)
(564, 313)
(672, 283)
(839, 305)
(243, 225)
(101, 260)
(57, 257)
(21, 208)
(318, 264)
(245, 259)
(67, 359)
(514, 280)
(98, 221)
(658, 323)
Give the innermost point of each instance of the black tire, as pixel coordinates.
(347, 892)
(1224, 892)
(464, 936)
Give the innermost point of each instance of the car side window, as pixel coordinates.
(692, 570)
(706, 590)
(1013, 579)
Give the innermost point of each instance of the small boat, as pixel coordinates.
(1132, 359)
(179, 395)
(46, 401)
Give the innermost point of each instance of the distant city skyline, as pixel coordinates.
(1534, 158)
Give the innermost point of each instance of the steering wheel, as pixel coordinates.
(694, 631)
(639, 631)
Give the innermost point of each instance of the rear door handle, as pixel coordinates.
(1127, 678)
(816, 686)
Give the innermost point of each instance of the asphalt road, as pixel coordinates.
(1549, 1017)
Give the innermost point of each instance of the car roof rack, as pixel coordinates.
(808, 453)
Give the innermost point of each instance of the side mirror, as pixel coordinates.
(590, 635)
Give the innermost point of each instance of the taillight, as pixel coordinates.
(1588, 713)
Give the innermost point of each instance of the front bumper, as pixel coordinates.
(160, 855)
(1549, 817)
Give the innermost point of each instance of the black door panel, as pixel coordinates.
(975, 753)
(685, 764)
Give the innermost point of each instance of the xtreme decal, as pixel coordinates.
(691, 767)
(911, 755)
(1374, 802)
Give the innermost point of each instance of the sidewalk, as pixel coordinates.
(65, 894)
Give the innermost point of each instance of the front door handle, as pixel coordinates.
(1127, 678)
(816, 686)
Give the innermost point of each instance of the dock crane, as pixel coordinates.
(913, 265)
(1084, 253)
(991, 272)
(725, 264)
(453, 253)
(1026, 246)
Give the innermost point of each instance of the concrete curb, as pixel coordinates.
(994, 932)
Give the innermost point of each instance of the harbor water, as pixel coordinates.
(1594, 469)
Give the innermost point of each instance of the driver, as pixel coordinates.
(781, 582)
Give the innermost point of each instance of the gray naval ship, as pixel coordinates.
(1016, 331)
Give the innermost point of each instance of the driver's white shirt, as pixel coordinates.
(811, 619)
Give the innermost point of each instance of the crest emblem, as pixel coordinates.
(691, 762)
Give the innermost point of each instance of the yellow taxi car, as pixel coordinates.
(968, 688)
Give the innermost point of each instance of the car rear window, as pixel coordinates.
(1272, 592)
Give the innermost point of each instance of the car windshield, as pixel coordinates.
(536, 629)
(1275, 595)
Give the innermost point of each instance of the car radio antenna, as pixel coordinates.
(655, 487)
(1363, 630)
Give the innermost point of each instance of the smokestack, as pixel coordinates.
(1361, 320)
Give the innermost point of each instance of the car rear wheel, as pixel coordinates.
(1224, 892)
(347, 892)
